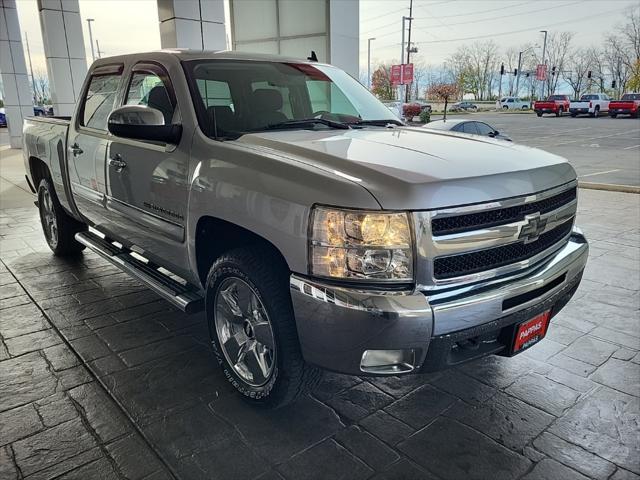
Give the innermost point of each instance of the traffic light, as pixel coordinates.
(502, 69)
(613, 84)
(589, 74)
(553, 71)
(515, 72)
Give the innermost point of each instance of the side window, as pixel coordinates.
(510, 100)
(284, 92)
(484, 129)
(99, 101)
(470, 127)
(147, 88)
(215, 93)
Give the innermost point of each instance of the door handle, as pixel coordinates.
(76, 150)
(117, 163)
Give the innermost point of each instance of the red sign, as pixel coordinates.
(541, 72)
(402, 74)
(531, 331)
(407, 73)
(396, 74)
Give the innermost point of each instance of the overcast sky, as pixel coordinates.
(124, 26)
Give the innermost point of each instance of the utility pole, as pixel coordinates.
(406, 95)
(369, 40)
(544, 52)
(33, 80)
(98, 51)
(518, 74)
(93, 52)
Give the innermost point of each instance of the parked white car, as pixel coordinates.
(513, 103)
(592, 103)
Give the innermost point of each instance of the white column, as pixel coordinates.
(18, 98)
(194, 24)
(61, 27)
(344, 35)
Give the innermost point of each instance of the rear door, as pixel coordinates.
(88, 139)
(147, 199)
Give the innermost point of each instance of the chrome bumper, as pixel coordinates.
(337, 325)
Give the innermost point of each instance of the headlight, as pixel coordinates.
(358, 245)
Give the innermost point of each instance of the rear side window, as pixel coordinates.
(99, 101)
(470, 127)
(147, 88)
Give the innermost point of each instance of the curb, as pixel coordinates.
(609, 187)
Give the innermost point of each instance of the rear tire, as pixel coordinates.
(613, 115)
(539, 114)
(264, 363)
(58, 226)
(574, 115)
(560, 112)
(596, 112)
(506, 107)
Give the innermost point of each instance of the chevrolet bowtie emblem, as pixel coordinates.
(532, 228)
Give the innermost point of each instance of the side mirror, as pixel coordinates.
(142, 123)
(493, 134)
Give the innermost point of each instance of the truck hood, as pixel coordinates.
(417, 169)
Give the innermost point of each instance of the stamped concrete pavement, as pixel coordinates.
(99, 378)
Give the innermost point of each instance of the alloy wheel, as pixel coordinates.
(244, 331)
(48, 217)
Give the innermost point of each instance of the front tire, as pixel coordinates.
(59, 227)
(252, 328)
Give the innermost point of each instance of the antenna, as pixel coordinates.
(313, 57)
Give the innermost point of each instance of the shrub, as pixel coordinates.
(410, 110)
(425, 116)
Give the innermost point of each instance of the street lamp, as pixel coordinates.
(369, 40)
(93, 53)
(520, 68)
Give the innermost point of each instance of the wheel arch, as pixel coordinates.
(215, 236)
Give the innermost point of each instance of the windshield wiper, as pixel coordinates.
(379, 123)
(302, 122)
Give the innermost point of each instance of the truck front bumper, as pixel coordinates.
(363, 332)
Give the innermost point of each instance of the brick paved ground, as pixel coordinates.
(89, 358)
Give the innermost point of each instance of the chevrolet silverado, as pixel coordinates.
(629, 104)
(314, 229)
(556, 104)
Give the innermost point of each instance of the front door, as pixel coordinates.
(147, 182)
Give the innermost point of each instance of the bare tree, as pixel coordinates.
(576, 73)
(618, 63)
(558, 48)
(598, 61)
(41, 91)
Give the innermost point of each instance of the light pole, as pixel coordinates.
(369, 40)
(520, 68)
(93, 53)
(544, 52)
(98, 51)
(402, 51)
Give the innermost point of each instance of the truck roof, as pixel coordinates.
(187, 54)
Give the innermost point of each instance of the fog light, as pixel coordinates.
(387, 362)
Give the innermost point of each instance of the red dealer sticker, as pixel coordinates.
(531, 331)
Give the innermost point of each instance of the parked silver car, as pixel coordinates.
(471, 127)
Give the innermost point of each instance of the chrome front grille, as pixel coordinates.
(468, 244)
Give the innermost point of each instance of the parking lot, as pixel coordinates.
(100, 378)
(602, 150)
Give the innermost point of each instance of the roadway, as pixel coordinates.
(602, 150)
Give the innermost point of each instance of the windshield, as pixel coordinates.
(234, 97)
(631, 96)
(589, 97)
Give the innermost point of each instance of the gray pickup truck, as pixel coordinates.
(315, 229)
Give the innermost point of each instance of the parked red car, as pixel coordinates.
(557, 104)
(629, 104)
